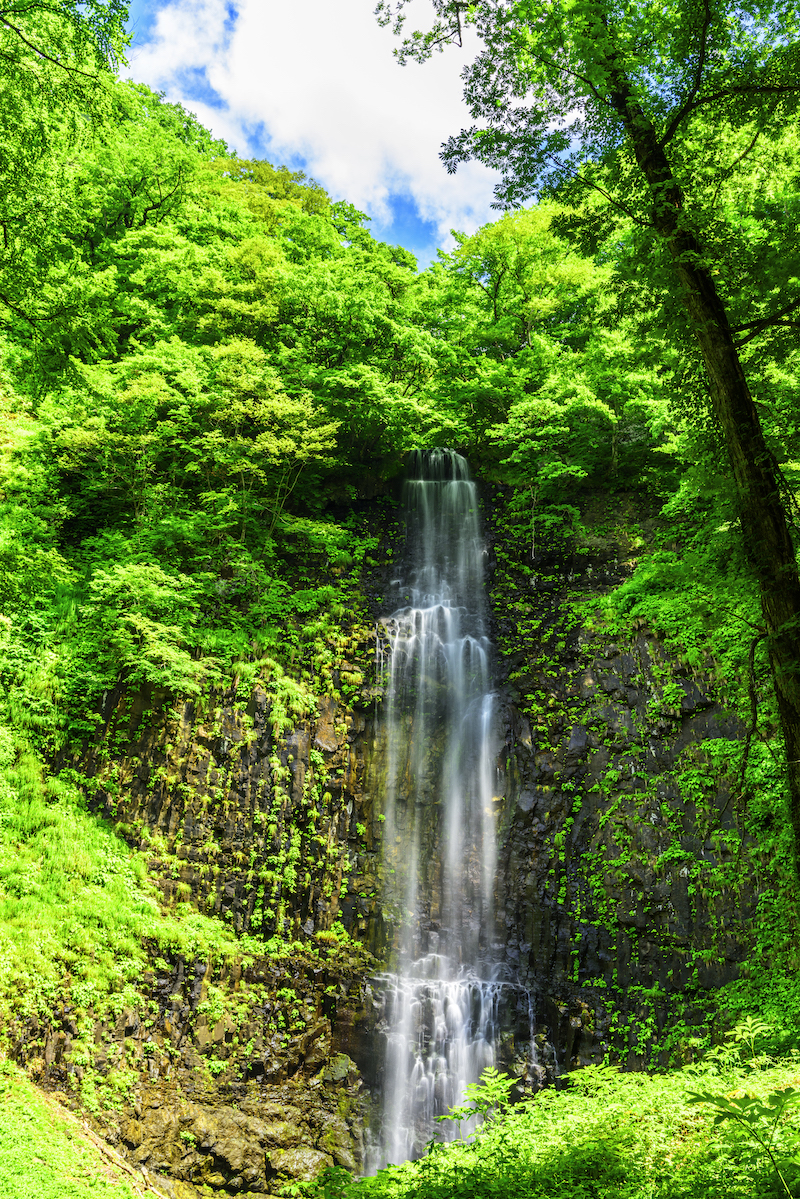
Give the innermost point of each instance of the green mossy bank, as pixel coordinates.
(45, 1152)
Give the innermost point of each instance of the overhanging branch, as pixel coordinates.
(727, 174)
(47, 57)
(767, 322)
(688, 104)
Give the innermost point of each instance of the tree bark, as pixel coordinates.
(763, 519)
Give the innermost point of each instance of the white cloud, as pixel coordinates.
(321, 79)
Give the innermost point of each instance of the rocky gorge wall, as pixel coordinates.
(624, 899)
(621, 902)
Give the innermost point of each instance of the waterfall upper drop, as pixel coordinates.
(439, 855)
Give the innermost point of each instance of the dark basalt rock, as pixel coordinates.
(600, 881)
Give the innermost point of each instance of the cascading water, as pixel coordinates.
(439, 839)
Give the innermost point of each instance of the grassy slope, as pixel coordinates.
(44, 1153)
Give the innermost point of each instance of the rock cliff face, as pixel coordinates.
(623, 902)
(620, 901)
(227, 1078)
(235, 1075)
(265, 830)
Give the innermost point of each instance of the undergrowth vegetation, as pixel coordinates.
(80, 918)
(45, 1153)
(725, 1128)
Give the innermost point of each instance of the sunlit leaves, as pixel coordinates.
(144, 619)
(543, 87)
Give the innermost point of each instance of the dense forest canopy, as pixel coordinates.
(209, 366)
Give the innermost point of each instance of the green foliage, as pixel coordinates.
(606, 1134)
(207, 366)
(46, 1154)
(693, 74)
(748, 1031)
(78, 911)
(762, 1122)
(488, 1098)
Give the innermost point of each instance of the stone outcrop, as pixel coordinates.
(228, 1079)
(262, 830)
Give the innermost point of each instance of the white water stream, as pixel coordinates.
(441, 1006)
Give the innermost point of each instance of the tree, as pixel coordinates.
(56, 58)
(626, 101)
(206, 429)
(57, 61)
(514, 296)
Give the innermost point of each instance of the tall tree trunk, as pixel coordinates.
(761, 512)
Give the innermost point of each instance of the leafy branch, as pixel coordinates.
(760, 1120)
(487, 1098)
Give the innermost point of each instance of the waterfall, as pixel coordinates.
(440, 1005)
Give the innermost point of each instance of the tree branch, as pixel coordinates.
(765, 322)
(688, 104)
(548, 61)
(726, 174)
(761, 320)
(420, 46)
(606, 195)
(766, 89)
(17, 310)
(769, 324)
(33, 321)
(162, 200)
(46, 57)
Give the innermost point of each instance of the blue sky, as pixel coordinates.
(314, 85)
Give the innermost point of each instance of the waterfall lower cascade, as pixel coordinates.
(439, 838)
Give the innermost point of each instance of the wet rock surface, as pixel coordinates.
(227, 1104)
(225, 806)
